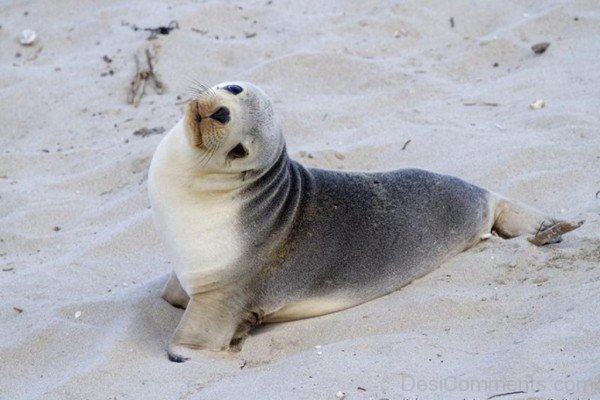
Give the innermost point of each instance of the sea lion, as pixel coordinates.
(257, 237)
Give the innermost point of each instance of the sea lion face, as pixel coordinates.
(232, 128)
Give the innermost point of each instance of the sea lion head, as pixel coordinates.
(233, 128)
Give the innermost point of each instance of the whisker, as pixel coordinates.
(195, 92)
(206, 157)
(211, 155)
(196, 164)
(194, 81)
(199, 163)
(199, 89)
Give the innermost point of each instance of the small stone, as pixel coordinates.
(340, 395)
(400, 33)
(539, 48)
(339, 156)
(538, 104)
(77, 314)
(28, 37)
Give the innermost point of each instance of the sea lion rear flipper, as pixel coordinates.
(512, 219)
(554, 232)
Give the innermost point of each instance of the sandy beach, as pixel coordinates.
(371, 85)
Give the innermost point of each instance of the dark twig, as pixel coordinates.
(505, 394)
(162, 30)
(143, 132)
(481, 103)
(145, 73)
(540, 228)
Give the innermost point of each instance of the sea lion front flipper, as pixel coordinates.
(209, 322)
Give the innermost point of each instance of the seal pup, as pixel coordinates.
(257, 237)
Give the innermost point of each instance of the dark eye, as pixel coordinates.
(238, 151)
(234, 89)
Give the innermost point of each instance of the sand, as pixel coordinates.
(369, 86)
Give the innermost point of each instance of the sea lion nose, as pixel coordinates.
(221, 115)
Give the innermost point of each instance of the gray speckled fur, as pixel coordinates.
(317, 234)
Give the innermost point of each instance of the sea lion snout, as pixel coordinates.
(207, 119)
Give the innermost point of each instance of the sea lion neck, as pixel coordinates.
(273, 200)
